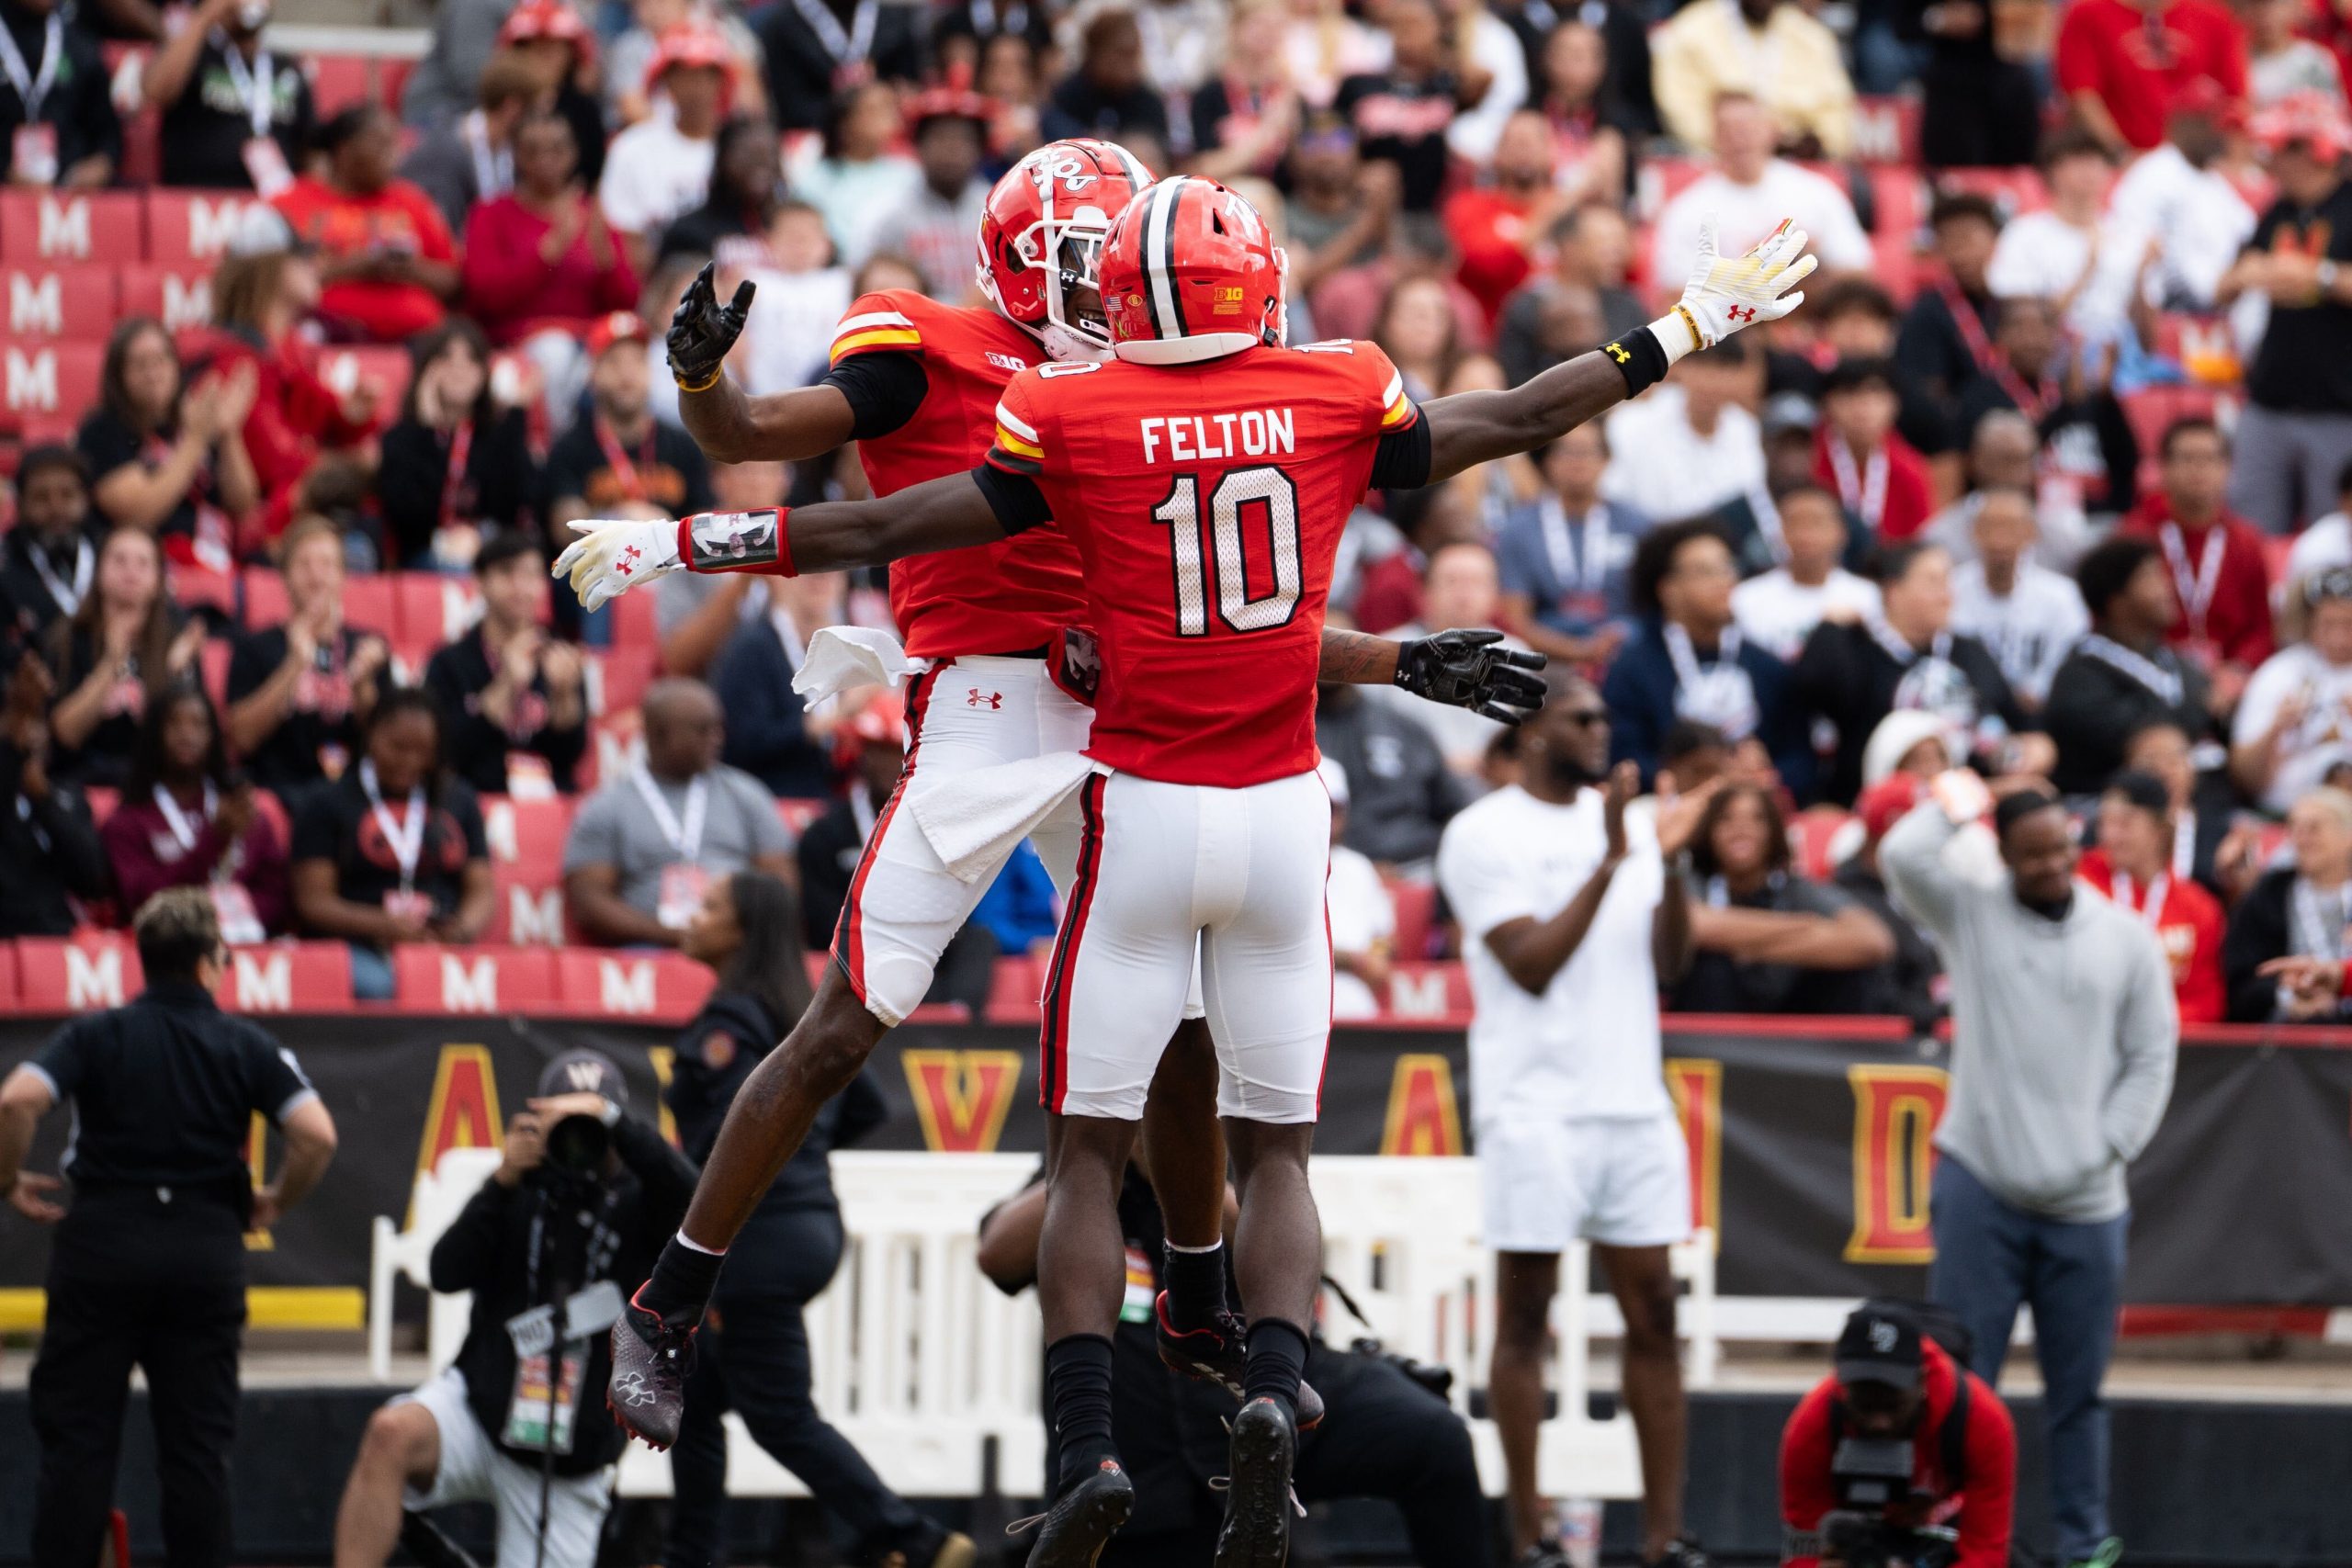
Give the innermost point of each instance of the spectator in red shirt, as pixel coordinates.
(2132, 865)
(1879, 476)
(2220, 579)
(185, 821)
(262, 293)
(2122, 63)
(541, 265)
(388, 263)
(1892, 1382)
(1498, 226)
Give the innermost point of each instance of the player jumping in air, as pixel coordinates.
(915, 383)
(1204, 476)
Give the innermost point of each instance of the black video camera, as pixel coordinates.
(1868, 1540)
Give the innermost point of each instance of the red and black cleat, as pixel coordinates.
(1216, 1355)
(1082, 1519)
(651, 1357)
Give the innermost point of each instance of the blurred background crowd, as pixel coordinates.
(2050, 474)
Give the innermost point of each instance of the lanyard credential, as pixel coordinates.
(406, 838)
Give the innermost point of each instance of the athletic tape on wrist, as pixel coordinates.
(705, 385)
(737, 541)
(1640, 359)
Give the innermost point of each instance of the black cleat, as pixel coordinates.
(1680, 1553)
(1258, 1500)
(1082, 1519)
(1215, 1355)
(650, 1359)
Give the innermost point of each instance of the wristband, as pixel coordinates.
(1640, 358)
(705, 385)
(2325, 275)
(737, 541)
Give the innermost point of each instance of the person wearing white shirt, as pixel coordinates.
(1493, 52)
(2004, 453)
(2326, 542)
(800, 302)
(2028, 616)
(2174, 193)
(2279, 64)
(1777, 610)
(1688, 448)
(1748, 194)
(2295, 721)
(2072, 254)
(1571, 911)
(660, 167)
(1361, 913)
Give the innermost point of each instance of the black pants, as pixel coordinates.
(1383, 1436)
(132, 1283)
(752, 1357)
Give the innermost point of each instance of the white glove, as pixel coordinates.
(615, 555)
(1725, 294)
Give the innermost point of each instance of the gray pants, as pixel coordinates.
(2287, 467)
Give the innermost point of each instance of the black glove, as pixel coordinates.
(1465, 669)
(701, 333)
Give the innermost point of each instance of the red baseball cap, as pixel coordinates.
(1887, 802)
(2309, 118)
(618, 327)
(548, 18)
(689, 47)
(881, 722)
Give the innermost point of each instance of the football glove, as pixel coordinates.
(1468, 668)
(1727, 293)
(615, 555)
(701, 331)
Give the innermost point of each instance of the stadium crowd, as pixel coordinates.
(2051, 476)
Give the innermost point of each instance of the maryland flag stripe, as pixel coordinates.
(1018, 448)
(873, 329)
(1396, 409)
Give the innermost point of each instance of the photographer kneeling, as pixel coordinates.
(585, 1194)
(1900, 1456)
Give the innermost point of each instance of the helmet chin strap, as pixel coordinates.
(1065, 342)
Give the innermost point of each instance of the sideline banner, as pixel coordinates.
(1809, 1140)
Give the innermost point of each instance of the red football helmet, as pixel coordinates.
(1191, 273)
(1042, 234)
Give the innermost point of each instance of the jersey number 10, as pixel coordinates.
(1233, 492)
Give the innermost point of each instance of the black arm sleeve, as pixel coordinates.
(1402, 461)
(1018, 503)
(883, 389)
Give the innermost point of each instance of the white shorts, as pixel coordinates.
(1617, 1181)
(473, 1469)
(1166, 871)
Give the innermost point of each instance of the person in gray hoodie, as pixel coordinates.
(2063, 1036)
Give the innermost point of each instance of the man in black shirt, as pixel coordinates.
(55, 113)
(51, 557)
(149, 1260)
(585, 1194)
(2296, 434)
(49, 851)
(619, 454)
(299, 692)
(1947, 334)
(2083, 428)
(235, 117)
(510, 696)
(2122, 678)
(1110, 94)
(1402, 114)
(815, 49)
(1400, 794)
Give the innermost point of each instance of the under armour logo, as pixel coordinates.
(627, 562)
(1741, 312)
(1620, 354)
(633, 1389)
(978, 698)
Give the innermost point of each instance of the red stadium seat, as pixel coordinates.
(46, 385)
(472, 979)
(307, 977)
(662, 987)
(368, 602)
(386, 369)
(212, 661)
(1812, 836)
(433, 608)
(528, 835)
(392, 81)
(142, 147)
(1013, 990)
(1416, 904)
(1887, 130)
(49, 226)
(617, 678)
(2013, 191)
(339, 82)
(194, 225)
(1428, 991)
(193, 587)
(61, 302)
(88, 971)
(272, 810)
(178, 294)
(615, 743)
(529, 913)
(7, 975)
(1895, 198)
(265, 596)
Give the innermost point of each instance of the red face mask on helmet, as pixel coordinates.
(1041, 236)
(1191, 273)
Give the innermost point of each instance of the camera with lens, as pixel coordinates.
(576, 1147)
(1867, 1540)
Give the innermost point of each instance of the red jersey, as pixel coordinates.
(2187, 924)
(1891, 491)
(2139, 60)
(1489, 233)
(2220, 580)
(400, 217)
(1206, 502)
(1004, 598)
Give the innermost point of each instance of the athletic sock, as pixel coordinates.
(1277, 1362)
(681, 1283)
(1078, 1396)
(1195, 1277)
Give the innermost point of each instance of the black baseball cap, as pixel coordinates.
(1881, 1347)
(583, 1069)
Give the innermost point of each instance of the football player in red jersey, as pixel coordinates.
(1205, 477)
(915, 383)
